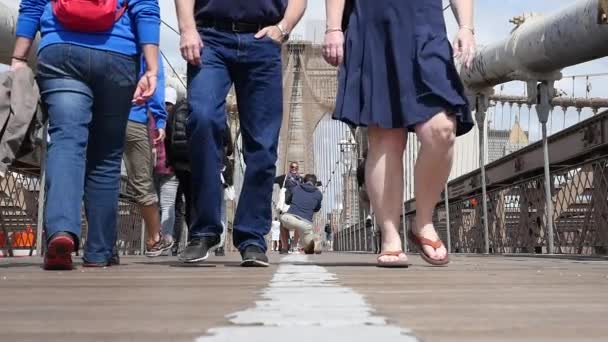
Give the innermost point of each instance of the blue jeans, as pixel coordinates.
(87, 94)
(254, 66)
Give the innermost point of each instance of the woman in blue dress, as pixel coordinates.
(397, 74)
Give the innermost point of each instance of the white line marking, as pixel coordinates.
(305, 303)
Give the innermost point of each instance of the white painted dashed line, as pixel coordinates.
(305, 303)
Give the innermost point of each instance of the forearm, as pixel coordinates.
(463, 12)
(185, 15)
(151, 56)
(22, 47)
(294, 12)
(334, 10)
(157, 103)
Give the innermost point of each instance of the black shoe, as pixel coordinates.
(114, 259)
(220, 252)
(284, 251)
(174, 249)
(199, 249)
(253, 256)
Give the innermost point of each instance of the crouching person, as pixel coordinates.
(305, 200)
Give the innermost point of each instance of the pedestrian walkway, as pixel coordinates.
(330, 297)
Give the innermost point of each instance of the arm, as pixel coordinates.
(146, 15)
(190, 43)
(334, 11)
(464, 45)
(279, 180)
(318, 207)
(28, 24)
(463, 12)
(156, 105)
(294, 12)
(333, 48)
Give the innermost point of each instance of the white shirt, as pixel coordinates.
(275, 227)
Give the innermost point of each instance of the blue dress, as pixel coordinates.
(398, 68)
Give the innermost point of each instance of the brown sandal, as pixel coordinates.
(420, 241)
(392, 264)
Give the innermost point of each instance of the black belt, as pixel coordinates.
(232, 26)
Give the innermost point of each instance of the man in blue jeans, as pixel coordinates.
(234, 42)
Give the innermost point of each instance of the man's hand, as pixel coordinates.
(190, 45)
(333, 48)
(17, 64)
(273, 32)
(145, 88)
(160, 135)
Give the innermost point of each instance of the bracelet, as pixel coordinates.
(283, 30)
(21, 59)
(465, 27)
(335, 29)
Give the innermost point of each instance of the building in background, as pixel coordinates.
(503, 142)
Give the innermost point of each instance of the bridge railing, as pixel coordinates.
(19, 210)
(535, 182)
(516, 199)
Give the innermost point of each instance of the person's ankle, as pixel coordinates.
(420, 226)
(152, 241)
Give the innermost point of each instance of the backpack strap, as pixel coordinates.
(122, 10)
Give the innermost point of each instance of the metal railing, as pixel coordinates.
(19, 192)
(517, 218)
(516, 200)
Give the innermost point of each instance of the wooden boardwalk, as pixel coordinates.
(341, 297)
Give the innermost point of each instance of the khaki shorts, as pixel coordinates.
(294, 222)
(140, 164)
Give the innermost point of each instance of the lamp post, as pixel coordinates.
(347, 149)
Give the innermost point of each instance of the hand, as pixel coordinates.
(464, 47)
(272, 32)
(17, 64)
(145, 88)
(160, 135)
(190, 45)
(333, 48)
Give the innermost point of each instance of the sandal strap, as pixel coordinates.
(390, 253)
(435, 244)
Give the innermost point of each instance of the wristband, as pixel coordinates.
(330, 30)
(465, 27)
(21, 59)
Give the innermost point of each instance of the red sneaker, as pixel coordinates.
(59, 253)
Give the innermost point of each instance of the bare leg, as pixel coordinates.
(384, 181)
(432, 170)
(151, 216)
(284, 238)
(296, 240)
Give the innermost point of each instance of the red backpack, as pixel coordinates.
(88, 15)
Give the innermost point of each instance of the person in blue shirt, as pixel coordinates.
(140, 160)
(242, 46)
(304, 201)
(87, 81)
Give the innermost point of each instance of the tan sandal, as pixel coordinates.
(392, 264)
(420, 241)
